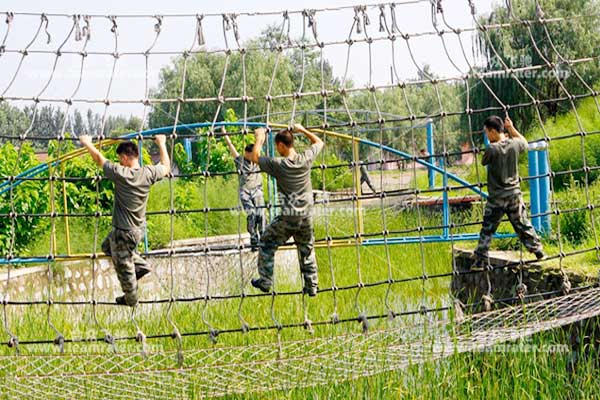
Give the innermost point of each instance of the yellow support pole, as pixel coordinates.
(65, 207)
(52, 210)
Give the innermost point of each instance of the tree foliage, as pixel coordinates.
(571, 39)
(205, 72)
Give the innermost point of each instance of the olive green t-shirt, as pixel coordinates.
(250, 177)
(293, 180)
(132, 186)
(502, 160)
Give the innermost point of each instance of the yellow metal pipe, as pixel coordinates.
(66, 208)
(356, 158)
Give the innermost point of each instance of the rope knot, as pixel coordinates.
(312, 23)
(521, 291)
(459, 315)
(60, 342)
(566, 284)
(472, 6)
(13, 341)
(108, 338)
(488, 301)
(158, 25)
(382, 20)
(199, 32)
(140, 337)
(87, 29)
(76, 19)
(212, 335)
(45, 23)
(391, 315)
(113, 19)
(362, 318)
(308, 326)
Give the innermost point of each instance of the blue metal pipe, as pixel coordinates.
(431, 239)
(544, 192)
(446, 209)
(430, 151)
(534, 189)
(187, 145)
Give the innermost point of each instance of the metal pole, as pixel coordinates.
(431, 151)
(187, 145)
(544, 191)
(534, 187)
(356, 159)
(446, 213)
(66, 207)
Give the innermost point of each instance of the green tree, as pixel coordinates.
(26, 199)
(516, 48)
(13, 121)
(205, 71)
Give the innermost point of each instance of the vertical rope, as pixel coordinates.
(59, 339)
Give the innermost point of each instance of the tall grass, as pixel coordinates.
(494, 375)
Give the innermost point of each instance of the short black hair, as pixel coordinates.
(249, 148)
(130, 149)
(286, 137)
(494, 122)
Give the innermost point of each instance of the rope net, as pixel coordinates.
(386, 256)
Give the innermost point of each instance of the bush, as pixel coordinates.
(566, 154)
(335, 178)
(28, 198)
(575, 226)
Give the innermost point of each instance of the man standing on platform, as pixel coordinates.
(502, 161)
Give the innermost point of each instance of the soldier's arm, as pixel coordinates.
(487, 156)
(259, 135)
(160, 141)
(298, 128)
(98, 157)
(232, 150)
(512, 131)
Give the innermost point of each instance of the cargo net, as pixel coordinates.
(386, 246)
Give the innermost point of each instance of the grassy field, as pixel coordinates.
(479, 375)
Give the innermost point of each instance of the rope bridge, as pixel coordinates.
(318, 361)
(383, 303)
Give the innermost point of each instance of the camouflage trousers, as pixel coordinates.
(275, 235)
(121, 246)
(367, 180)
(514, 208)
(253, 202)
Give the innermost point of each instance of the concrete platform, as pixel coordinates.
(539, 277)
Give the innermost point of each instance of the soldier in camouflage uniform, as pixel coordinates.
(292, 173)
(502, 160)
(250, 191)
(132, 186)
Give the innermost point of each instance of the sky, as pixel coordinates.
(38, 76)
